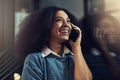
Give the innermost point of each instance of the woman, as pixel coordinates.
(54, 56)
(101, 46)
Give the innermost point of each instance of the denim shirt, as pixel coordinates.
(50, 67)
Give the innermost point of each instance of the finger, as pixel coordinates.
(100, 35)
(76, 28)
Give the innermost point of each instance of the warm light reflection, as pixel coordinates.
(113, 7)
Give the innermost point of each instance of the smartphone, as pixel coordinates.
(74, 35)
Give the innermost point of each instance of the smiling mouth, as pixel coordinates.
(110, 38)
(64, 30)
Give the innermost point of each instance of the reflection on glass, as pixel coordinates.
(19, 16)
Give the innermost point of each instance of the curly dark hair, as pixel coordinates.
(35, 30)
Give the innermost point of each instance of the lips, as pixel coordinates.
(110, 38)
(64, 30)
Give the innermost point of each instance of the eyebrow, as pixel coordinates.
(60, 17)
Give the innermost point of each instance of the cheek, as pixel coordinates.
(53, 33)
(55, 29)
(59, 24)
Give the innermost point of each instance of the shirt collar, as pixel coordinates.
(46, 51)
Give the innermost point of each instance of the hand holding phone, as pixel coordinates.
(74, 35)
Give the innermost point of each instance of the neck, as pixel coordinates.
(58, 48)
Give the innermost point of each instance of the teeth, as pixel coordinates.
(64, 30)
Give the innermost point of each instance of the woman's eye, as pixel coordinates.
(68, 21)
(59, 20)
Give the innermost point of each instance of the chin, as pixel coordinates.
(111, 42)
(65, 39)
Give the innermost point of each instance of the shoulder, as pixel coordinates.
(34, 58)
(33, 67)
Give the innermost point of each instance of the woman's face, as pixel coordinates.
(61, 27)
(108, 30)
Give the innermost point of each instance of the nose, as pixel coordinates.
(66, 24)
(112, 30)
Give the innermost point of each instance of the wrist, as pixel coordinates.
(76, 49)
